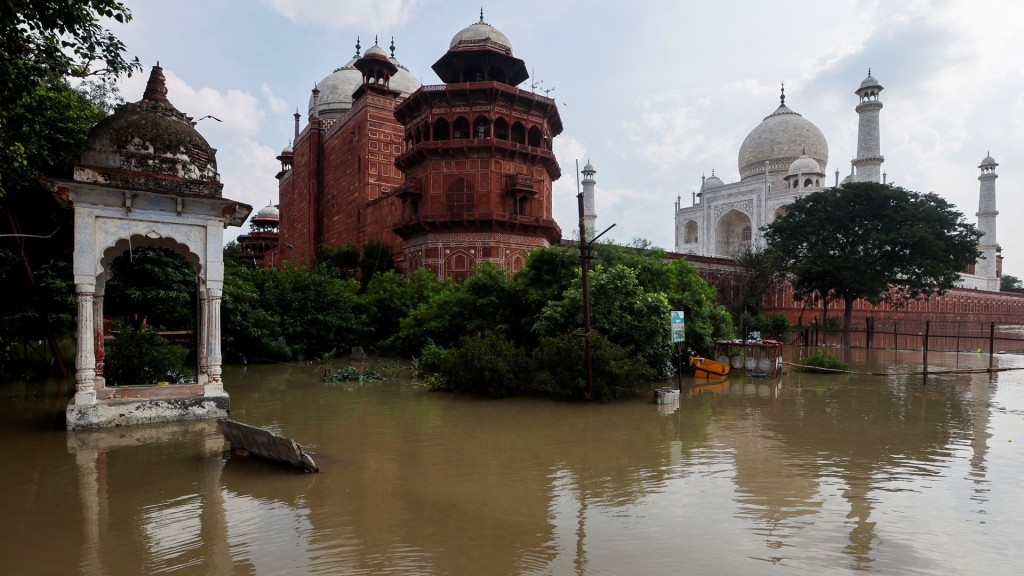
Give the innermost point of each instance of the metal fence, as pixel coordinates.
(926, 335)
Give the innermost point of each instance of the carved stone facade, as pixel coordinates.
(147, 178)
(448, 175)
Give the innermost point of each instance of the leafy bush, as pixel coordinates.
(140, 356)
(562, 373)
(486, 364)
(823, 362)
(353, 374)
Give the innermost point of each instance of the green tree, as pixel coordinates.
(45, 41)
(1008, 282)
(35, 251)
(872, 241)
(153, 286)
(621, 310)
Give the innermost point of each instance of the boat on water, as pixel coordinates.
(708, 369)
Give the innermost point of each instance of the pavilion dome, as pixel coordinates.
(150, 145)
(779, 139)
(712, 182)
(269, 213)
(804, 165)
(480, 32)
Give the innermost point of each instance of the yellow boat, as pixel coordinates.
(708, 369)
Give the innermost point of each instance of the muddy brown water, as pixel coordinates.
(809, 474)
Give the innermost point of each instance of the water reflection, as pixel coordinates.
(877, 474)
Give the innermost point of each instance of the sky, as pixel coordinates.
(654, 94)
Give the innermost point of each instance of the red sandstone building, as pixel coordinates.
(449, 175)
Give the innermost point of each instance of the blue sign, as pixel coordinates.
(678, 327)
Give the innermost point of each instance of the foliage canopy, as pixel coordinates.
(872, 241)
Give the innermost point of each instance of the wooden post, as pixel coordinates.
(927, 329)
(991, 343)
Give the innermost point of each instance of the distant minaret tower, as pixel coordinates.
(589, 213)
(868, 163)
(987, 213)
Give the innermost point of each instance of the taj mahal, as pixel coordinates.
(784, 158)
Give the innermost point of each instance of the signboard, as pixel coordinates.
(678, 327)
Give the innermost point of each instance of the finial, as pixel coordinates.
(358, 47)
(392, 46)
(712, 172)
(375, 40)
(156, 89)
(782, 98)
(481, 14)
(869, 71)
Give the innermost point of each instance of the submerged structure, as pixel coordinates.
(147, 178)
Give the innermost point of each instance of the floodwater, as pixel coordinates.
(810, 474)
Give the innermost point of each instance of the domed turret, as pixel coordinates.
(779, 139)
(478, 33)
(712, 182)
(149, 145)
(480, 53)
(267, 214)
(804, 165)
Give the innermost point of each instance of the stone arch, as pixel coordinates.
(501, 128)
(458, 263)
(460, 128)
(518, 133)
(534, 137)
(481, 127)
(442, 130)
(732, 233)
(690, 231)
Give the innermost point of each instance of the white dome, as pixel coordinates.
(804, 165)
(478, 32)
(780, 139)
(269, 212)
(988, 161)
(337, 88)
(713, 182)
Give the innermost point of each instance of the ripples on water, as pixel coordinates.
(815, 474)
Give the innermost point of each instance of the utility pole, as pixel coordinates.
(588, 347)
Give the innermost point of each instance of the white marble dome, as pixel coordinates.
(478, 32)
(268, 213)
(804, 165)
(780, 139)
(337, 88)
(712, 182)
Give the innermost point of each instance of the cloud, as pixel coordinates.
(277, 105)
(248, 169)
(382, 14)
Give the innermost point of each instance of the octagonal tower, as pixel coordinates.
(478, 161)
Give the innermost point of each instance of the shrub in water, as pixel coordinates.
(140, 356)
(823, 362)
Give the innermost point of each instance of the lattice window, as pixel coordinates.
(460, 198)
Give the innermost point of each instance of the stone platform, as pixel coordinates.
(131, 405)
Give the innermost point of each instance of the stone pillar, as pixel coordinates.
(214, 386)
(99, 349)
(85, 361)
(201, 344)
